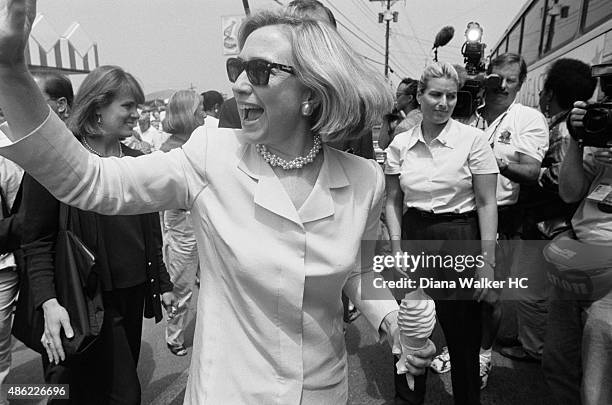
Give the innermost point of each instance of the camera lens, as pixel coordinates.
(595, 120)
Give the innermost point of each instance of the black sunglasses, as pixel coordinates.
(258, 70)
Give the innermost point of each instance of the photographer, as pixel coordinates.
(578, 352)
(545, 214)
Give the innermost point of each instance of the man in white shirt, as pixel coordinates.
(148, 133)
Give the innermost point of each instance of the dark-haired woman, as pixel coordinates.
(129, 262)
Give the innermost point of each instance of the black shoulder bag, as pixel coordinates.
(77, 290)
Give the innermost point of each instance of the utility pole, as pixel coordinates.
(247, 10)
(387, 39)
(387, 16)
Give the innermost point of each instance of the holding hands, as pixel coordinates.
(417, 362)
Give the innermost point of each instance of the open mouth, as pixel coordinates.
(251, 113)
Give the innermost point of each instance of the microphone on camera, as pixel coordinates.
(444, 36)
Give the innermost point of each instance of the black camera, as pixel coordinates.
(598, 118)
(598, 125)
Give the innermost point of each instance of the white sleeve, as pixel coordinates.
(532, 134)
(130, 185)
(374, 303)
(393, 163)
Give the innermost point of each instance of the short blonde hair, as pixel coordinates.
(438, 70)
(351, 97)
(180, 113)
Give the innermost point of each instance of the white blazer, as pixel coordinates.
(269, 318)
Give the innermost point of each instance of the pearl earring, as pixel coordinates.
(306, 109)
(99, 120)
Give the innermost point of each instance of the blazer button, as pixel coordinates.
(154, 295)
(148, 263)
(152, 280)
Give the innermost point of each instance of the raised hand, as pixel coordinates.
(16, 18)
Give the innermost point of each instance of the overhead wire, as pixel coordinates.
(355, 25)
(415, 35)
(373, 48)
(398, 65)
(361, 39)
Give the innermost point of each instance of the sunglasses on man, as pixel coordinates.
(258, 70)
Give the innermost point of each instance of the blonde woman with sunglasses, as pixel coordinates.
(279, 217)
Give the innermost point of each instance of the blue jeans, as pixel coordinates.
(577, 360)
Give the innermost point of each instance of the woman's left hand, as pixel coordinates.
(170, 304)
(16, 18)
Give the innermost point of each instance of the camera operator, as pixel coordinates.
(519, 137)
(404, 116)
(578, 348)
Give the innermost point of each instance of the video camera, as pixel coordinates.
(598, 118)
(473, 49)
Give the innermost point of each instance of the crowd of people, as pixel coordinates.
(264, 201)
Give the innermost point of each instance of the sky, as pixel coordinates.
(178, 44)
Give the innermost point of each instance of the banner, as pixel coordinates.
(229, 27)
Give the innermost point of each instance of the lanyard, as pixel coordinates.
(491, 139)
(560, 118)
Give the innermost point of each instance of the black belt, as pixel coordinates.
(444, 215)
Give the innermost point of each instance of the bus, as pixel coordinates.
(546, 30)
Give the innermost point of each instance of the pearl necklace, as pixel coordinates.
(95, 152)
(296, 163)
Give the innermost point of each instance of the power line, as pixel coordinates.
(382, 64)
(361, 39)
(415, 35)
(423, 39)
(359, 29)
(369, 14)
(355, 25)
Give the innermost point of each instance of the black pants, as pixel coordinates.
(459, 319)
(106, 374)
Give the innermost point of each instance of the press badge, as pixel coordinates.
(602, 194)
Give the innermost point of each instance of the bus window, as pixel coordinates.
(532, 31)
(560, 30)
(597, 11)
(514, 38)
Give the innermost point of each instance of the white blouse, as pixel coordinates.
(437, 178)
